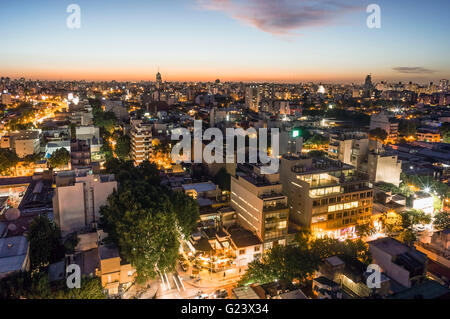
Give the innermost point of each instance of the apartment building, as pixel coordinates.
(349, 148)
(80, 154)
(429, 136)
(326, 196)
(141, 142)
(114, 274)
(78, 197)
(384, 167)
(23, 142)
(261, 206)
(403, 263)
(382, 121)
(252, 97)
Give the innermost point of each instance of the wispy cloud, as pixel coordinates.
(282, 17)
(413, 70)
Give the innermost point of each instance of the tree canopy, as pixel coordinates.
(378, 134)
(441, 220)
(407, 128)
(44, 237)
(59, 158)
(223, 179)
(123, 147)
(299, 262)
(145, 220)
(8, 160)
(445, 132)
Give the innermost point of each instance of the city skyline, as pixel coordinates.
(205, 40)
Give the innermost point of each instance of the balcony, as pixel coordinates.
(271, 208)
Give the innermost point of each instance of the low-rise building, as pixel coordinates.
(404, 264)
(384, 167)
(114, 274)
(14, 255)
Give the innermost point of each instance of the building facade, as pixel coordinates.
(141, 142)
(261, 206)
(326, 196)
(78, 197)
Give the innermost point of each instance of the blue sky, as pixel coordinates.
(250, 40)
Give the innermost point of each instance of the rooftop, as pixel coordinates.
(242, 237)
(13, 252)
(200, 187)
(429, 289)
(106, 252)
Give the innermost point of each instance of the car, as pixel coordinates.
(420, 228)
(221, 294)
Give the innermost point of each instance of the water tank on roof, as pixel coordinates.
(12, 214)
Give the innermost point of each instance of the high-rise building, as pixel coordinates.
(158, 80)
(141, 142)
(252, 97)
(368, 85)
(261, 206)
(326, 196)
(443, 85)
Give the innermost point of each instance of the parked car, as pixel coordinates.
(221, 294)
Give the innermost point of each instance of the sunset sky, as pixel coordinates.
(248, 40)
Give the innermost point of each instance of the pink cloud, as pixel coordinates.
(281, 17)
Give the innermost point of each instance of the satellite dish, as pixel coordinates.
(12, 214)
(12, 227)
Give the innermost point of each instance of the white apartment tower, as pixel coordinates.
(141, 142)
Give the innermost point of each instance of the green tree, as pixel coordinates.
(378, 134)
(223, 179)
(281, 263)
(44, 237)
(302, 260)
(145, 233)
(8, 160)
(441, 220)
(123, 147)
(105, 120)
(414, 217)
(365, 230)
(407, 128)
(33, 158)
(187, 212)
(317, 139)
(91, 288)
(445, 132)
(59, 158)
(146, 220)
(407, 237)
